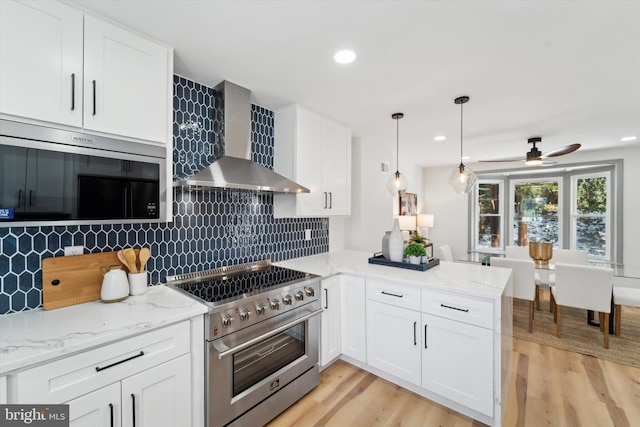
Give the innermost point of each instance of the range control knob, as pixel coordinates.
(275, 304)
(226, 320)
(299, 295)
(245, 314)
(310, 292)
(287, 299)
(260, 309)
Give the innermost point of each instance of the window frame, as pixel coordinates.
(476, 215)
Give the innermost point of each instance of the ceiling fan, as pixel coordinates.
(535, 157)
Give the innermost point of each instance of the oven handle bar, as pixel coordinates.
(269, 334)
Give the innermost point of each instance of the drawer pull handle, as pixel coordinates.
(466, 310)
(111, 413)
(390, 294)
(73, 91)
(326, 299)
(415, 336)
(98, 368)
(93, 83)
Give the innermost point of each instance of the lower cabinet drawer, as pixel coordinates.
(394, 294)
(68, 378)
(464, 309)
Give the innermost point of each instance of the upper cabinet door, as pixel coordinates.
(41, 61)
(125, 83)
(337, 168)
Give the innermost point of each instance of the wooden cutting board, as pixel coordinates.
(70, 280)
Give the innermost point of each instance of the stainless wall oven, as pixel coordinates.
(262, 339)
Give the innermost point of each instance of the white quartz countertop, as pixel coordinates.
(462, 278)
(36, 336)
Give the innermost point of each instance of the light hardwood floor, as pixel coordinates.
(549, 387)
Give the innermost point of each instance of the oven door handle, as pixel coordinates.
(269, 334)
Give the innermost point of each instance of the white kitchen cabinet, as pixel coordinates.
(65, 67)
(393, 340)
(457, 362)
(97, 409)
(353, 317)
(154, 367)
(41, 66)
(330, 340)
(314, 151)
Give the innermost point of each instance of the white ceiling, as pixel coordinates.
(568, 71)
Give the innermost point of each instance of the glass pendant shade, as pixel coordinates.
(397, 184)
(462, 179)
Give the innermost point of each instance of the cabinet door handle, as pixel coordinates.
(94, 97)
(425, 336)
(73, 91)
(466, 310)
(326, 298)
(111, 413)
(133, 406)
(30, 197)
(330, 200)
(390, 294)
(98, 368)
(325, 199)
(20, 198)
(415, 333)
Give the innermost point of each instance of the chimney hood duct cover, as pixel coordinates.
(235, 169)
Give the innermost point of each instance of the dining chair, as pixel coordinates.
(624, 296)
(585, 287)
(561, 256)
(444, 253)
(524, 286)
(522, 252)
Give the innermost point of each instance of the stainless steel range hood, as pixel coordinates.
(235, 169)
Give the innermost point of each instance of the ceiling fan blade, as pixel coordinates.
(561, 151)
(500, 160)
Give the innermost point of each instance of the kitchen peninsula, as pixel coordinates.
(444, 334)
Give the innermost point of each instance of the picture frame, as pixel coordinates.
(408, 204)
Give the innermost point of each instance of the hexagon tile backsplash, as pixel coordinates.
(209, 229)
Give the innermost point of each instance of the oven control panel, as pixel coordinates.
(244, 312)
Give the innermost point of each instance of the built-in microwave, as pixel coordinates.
(59, 177)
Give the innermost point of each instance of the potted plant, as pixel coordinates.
(417, 238)
(415, 251)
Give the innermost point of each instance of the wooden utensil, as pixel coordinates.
(144, 256)
(122, 258)
(130, 257)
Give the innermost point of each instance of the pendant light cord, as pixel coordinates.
(397, 145)
(461, 140)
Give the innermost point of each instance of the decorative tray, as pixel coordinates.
(377, 258)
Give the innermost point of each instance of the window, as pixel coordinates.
(488, 229)
(591, 214)
(576, 207)
(534, 216)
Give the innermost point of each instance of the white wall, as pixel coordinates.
(451, 210)
(372, 206)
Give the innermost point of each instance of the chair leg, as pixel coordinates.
(537, 297)
(617, 318)
(601, 321)
(530, 316)
(556, 316)
(606, 330)
(552, 302)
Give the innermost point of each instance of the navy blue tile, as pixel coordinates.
(4, 303)
(18, 301)
(18, 262)
(10, 284)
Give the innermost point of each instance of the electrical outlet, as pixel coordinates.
(307, 234)
(73, 250)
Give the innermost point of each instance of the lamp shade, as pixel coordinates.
(425, 220)
(397, 184)
(462, 179)
(407, 222)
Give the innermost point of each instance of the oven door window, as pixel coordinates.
(257, 362)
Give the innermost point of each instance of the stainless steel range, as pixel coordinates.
(262, 339)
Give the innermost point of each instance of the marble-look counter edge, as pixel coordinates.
(461, 278)
(37, 336)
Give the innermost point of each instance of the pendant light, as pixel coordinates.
(397, 184)
(462, 178)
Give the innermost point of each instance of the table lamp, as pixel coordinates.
(425, 222)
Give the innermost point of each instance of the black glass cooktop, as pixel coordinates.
(244, 283)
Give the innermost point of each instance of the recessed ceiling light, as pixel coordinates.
(440, 138)
(465, 157)
(628, 138)
(345, 57)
